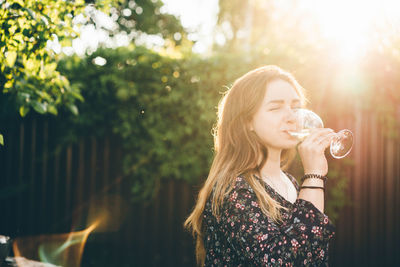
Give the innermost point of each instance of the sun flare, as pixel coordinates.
(354, 26)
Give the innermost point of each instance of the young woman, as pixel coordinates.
(250, 212)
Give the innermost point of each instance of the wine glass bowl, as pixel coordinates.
(306, 119)
(341, 144)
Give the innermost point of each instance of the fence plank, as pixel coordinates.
(68, 178)
(81, 174)
(44, 184)
(55, 195)
(20, 175)
(389, 200)
(358, 180)
(30, 212)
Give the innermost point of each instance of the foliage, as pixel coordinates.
(27, 66)
(162, 108)
(234, 13)
(138, 95)
(144, 16)
(244, 22)
(28, 77)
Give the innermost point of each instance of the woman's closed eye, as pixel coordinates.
(279, 107)
(273, 108)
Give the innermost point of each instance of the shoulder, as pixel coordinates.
(241, 192)
(241, 183)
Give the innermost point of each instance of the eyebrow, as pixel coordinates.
(282, 101)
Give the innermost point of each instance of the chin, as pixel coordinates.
(290, 145)
(286, 145)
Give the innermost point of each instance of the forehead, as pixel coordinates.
(280, 90)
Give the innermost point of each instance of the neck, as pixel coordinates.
(272, 166)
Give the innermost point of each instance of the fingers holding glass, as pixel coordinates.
(306, 120)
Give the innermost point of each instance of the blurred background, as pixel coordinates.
(107, 108)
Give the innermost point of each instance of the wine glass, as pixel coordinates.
(306, 120)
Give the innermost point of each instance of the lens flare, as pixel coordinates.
(103, 215)
(351, 29)
(59, 249)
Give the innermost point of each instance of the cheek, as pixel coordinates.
(265, 126)
(266, 121)
(268, 129)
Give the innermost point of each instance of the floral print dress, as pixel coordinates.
(244, 236)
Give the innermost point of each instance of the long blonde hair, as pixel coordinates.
(239, 151)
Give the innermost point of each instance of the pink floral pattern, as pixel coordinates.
(244, 236)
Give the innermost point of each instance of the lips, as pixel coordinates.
(288, 134)
(287, 131)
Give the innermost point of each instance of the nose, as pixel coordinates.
(290, 115)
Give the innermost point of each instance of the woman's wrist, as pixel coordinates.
(313, 187)
(315, 171)
(313, 182)
(314, 176)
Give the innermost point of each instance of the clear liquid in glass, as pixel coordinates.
(301, 135)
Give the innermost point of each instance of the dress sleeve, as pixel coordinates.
(302, 239)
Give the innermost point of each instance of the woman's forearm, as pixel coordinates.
(314, 195)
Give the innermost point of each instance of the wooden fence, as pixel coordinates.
(368, 231)
(48, 193)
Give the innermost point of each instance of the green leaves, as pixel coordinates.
(23, 110)
(28, 69)
(145, 16)
(28, 66)
(39, 107)
(164, 124)
(73, 109)
(10, 58)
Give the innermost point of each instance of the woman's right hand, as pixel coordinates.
(312, 151)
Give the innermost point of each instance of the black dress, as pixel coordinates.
(244, 236)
